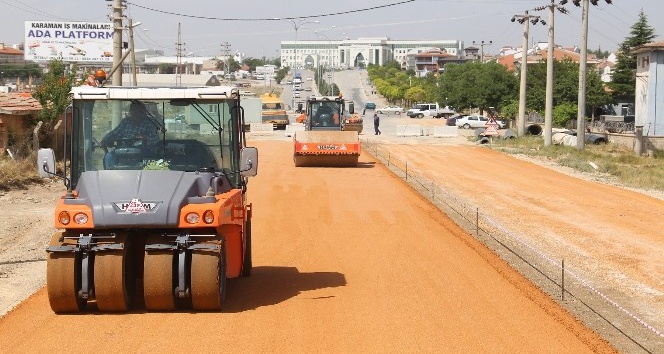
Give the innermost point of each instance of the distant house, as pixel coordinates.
(539, 53)
(9, 55)
(16, 112)
(429, 60)
(649, 88)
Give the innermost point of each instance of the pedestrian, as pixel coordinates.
(376, 123)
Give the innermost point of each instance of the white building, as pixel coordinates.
(348, 53)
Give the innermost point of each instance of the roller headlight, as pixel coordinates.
(64, 218)
(80, 218)
(208, 217)
(192, 218)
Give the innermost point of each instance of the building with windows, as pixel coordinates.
(349, 53)
(11, 55)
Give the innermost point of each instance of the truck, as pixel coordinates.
(422, 110)
(331, 135)
(274, 111)
(297, 78)
(169, 221)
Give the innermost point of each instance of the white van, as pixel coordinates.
(422, 110)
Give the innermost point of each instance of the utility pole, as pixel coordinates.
(482, 44)
(225, 51)
(525, 20)
(133, 52)
(117, 42)
(581, 111)
(581, 116)
(178, 54)
(548, 114)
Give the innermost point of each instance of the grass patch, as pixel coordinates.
(19, 174)
(618, 161)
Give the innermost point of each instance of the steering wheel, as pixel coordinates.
(97, 144)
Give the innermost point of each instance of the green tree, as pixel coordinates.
(623, 84)
(565, 86)
(474, 84)
(53, 95)
(392, 64)
(252, 63)
(415, 94)
(564, 113)
(12, 71)
(510, 110)
(233, 65)
(281, 73)
(166, 68)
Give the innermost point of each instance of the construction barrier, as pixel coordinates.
(294, 127)
(409, 130)
(261, 129)
(445, 131)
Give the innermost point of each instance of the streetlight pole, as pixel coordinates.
(297, 24)
(525, 20)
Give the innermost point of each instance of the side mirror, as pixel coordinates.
(351, 108)
(46, 163)
(249, 161)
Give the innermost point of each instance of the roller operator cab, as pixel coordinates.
(155, 211)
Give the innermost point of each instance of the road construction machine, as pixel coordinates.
(274, 111)
(155, 214)
(331, 135)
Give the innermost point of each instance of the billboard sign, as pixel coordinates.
(69, 41)
(265, 70)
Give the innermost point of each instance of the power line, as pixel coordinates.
(275, 18)
(33, 10)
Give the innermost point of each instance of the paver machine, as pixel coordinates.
(331, 135)
(157, 222)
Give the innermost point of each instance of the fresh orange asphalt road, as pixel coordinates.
(346, 260)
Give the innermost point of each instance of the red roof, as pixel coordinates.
(18, 103)
(10, 50)
(648, 47)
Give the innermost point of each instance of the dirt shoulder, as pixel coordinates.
(26, 226)
(607, 235)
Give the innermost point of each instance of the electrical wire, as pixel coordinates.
(32, 10)
(274, 18)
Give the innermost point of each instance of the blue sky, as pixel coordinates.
(236, 22)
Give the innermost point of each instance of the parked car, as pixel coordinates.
(370, 105)
(451, 121)
(390, 110)
(476, 121)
